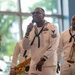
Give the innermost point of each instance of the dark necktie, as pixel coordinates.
(72, 36)
(37, 35)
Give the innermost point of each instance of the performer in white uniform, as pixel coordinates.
(18, 51)
(42, 39)
(66, 46)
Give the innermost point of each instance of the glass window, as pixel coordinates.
(9, 30)
(50, 6)
(8, 5)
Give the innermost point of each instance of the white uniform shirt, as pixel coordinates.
(18, 51)
(48, 45)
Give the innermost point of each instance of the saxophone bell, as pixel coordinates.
(27, 68)
(23, 67)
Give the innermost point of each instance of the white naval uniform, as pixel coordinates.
(65, 48)
(18, 51)
(48, 47)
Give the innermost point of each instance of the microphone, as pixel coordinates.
(33, 21)
(29, 29)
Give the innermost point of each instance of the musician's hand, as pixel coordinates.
(29, 28)
(40, 64)
(58, 67)
(12, 72)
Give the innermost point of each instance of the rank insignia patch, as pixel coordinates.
(53, 34)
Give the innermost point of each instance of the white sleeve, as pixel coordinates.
(60, 48)
(15, 55)
(54, 38)
(26, 44)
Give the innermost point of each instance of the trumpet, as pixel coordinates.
(23, 67)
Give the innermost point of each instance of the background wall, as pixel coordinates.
(71, 9)
(68, 10)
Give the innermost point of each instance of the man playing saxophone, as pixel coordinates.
(67, 46)
(18, 51)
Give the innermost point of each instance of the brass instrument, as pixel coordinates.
(71, 53)
(23, 67)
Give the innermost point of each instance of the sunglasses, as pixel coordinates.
(36, 13)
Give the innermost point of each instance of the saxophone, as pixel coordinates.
(23, 67)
